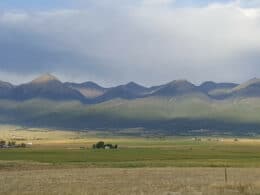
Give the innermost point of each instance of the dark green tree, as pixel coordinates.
(11, 143)
(2, 142)
(100, 144)
(23, 145)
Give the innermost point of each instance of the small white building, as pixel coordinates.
(107, 147)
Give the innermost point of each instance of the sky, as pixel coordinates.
(117, 41)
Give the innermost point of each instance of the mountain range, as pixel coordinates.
(177, 107)
(49, 87)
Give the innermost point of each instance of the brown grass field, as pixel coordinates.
(57, 164)
(131, 181)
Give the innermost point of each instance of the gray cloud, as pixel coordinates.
(149, 42)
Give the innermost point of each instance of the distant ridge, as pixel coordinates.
(48, 86)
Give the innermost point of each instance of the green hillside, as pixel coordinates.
(172, 115)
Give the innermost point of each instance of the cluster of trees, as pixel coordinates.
(102, 145)
(11, 144)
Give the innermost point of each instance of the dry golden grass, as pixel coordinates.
(180, 181)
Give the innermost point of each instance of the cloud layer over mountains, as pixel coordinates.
(146, 41)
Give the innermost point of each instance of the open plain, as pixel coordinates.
(63, 162)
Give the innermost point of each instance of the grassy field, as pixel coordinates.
(75, 148)
(66, 163)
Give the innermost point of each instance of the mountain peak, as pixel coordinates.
(180, 83)
(45, 78)
(175, 88)
(90, 84)
(133, 84)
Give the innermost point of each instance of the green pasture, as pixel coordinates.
(146, 153)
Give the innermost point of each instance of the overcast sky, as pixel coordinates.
(117, 41)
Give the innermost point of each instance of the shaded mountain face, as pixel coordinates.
(88, 89)
(45, 86)
(176, 88)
